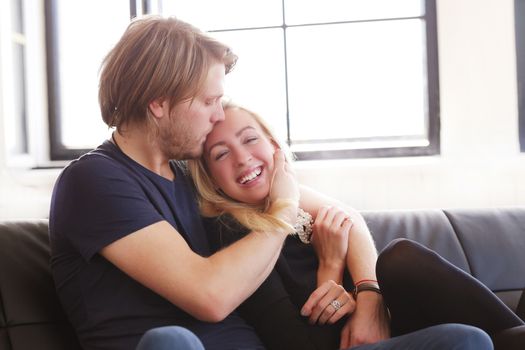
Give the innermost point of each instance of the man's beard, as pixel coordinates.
(178, 147)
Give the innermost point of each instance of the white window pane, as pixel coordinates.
(82, 47)
(258, 79)
(315, 11)
(368, 80)
(16, 126)
(227, 14)
(16, 137)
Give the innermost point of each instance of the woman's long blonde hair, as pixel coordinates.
(215, 203)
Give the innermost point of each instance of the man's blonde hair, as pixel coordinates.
(215, 203)
(156, 58)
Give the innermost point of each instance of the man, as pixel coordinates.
(128, 247)
(130, 256)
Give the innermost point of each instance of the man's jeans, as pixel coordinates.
(169, 338)
(441, 337)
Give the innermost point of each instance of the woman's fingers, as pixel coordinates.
(315, 297)
(331, 219)
(339, 218)
(347, 223)
(337, 308)
(284, 185)
(335, 304)
(328, 303)
(346, 308)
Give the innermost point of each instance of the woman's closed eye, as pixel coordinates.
(251, 139)
(221, 154)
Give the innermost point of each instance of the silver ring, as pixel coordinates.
(336, 304)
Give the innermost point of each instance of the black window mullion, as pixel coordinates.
(132, 9)
(434, 119)
(285, 48)
(519, 14)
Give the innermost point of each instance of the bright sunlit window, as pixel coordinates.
(80, 34)
(14, 79)
(335, 78)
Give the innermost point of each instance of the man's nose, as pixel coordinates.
(218, 115)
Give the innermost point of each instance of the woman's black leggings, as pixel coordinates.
(422, 289)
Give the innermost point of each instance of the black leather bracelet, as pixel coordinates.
(365, 286)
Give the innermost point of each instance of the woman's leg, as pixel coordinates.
(422, 289)
(169, 338)
(445, 336)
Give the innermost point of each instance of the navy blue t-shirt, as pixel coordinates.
(102, 197)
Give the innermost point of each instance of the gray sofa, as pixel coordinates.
(488, 243)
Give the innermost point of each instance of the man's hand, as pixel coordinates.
(369, 323)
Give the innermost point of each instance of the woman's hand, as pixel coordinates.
(369, 323)
(330, 240)
(284, 187)
(328, 303)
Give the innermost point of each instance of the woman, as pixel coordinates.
(233, 179)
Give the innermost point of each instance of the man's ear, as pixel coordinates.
(156, 108)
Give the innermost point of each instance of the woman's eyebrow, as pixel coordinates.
(238, 133)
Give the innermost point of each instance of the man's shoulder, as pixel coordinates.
(100, 162)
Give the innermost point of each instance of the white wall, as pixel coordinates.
(479, 166)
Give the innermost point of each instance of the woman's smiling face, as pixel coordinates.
(239, 156)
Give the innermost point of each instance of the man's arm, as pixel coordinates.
(207, 288)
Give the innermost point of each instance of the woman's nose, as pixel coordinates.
(242, 156)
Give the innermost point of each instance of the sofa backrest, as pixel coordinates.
(489, 243)
(30, 314)
(494, 243)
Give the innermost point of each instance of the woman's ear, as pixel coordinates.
(156, 108)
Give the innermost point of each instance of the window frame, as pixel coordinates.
(58, 151)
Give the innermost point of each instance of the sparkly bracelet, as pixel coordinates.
(303, 226)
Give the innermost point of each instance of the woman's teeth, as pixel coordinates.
(251, 176)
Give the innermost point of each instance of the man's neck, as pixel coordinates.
(136, 144)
